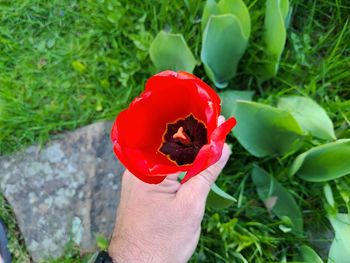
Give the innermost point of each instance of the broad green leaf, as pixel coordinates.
(308, 255)
(217, 198)
(229, 99)
(311, 117)
(339, 251)
(274, 34)
(323, 163)
(238, 9)
(228, 7)
(223, 45)
(285, 205)
(210, 8)
(170, 51)
(264, 130)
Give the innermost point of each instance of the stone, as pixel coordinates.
(67, 190)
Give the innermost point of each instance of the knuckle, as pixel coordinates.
(191, 208)
(206, 177)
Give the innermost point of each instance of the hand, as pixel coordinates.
(161, 223)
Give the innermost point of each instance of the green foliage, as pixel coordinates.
(15, 239)
(274, 34)
(311, 117)
(226, 29)
(221, 51)
(308, 255)
(264, 130)
(234, 240)
(277, 199)
(229, 100)
(170, 52)
(236, 8)
(217, 198)
(323, 163)
(71, 255)
(339, 251)
(102, 242)
(210, 8)
(67, 64)
(328, 193)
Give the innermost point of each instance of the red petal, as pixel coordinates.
(210, 153)
(137, 169)
(204, 89)
(207, 94)
(204, 102)
(144, 122)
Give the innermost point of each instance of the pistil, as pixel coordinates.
(182, 137)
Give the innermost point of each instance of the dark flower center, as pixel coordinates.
(183, 139)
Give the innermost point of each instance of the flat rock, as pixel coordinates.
(68, 189)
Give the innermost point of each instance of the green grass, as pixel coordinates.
(65, 64)
(16, 242)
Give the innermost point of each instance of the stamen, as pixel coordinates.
(182, 137)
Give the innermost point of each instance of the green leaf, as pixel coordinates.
(238, 9)
(328, 193)
(274, 34)
(223, 45)
(343, 187)
(308, 255)
(210, 8)
(311, 117)
(229, 100)
(339, 251)
(264, 130)
(228, 7)
(285, 205)
(101, 242)
(217, 198)
(170, 52)
(323, 163)
(226, 28)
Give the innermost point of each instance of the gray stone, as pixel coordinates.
(68, 190)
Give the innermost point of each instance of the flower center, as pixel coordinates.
(183, 139)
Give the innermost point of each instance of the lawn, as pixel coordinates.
(66, 64)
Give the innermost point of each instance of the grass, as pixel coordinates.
(65, 64)
(16, 242)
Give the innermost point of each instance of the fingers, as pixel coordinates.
(200, 184)
(170, 185)
(130, 183)
(172, 177)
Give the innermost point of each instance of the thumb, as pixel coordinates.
(200, 184)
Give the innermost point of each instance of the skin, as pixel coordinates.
(161, 223)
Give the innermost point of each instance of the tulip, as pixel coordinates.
(171, 127)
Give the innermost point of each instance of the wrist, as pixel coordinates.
(123, 250)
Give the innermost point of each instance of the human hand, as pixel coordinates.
(161, 223)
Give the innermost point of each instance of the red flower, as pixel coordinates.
(171, 127)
